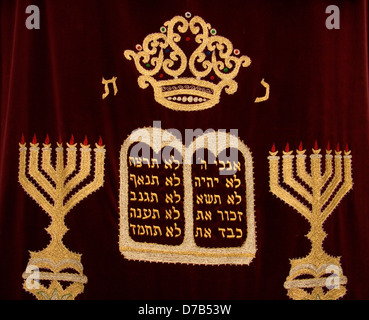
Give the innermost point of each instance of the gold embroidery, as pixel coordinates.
(321, 194)
(267, 90)
(187, 250)
(58, 202)
(160, 57)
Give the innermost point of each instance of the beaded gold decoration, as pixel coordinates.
(52, 189)
(163, 61)
(318, 275)
(173, 216)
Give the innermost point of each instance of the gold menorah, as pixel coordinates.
(54, 262)
(320, 193)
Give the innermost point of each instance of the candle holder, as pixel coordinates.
(314, 195)
(51, 188)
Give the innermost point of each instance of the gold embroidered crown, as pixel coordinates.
(186, 84)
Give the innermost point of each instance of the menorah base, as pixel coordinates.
(48, 280)
(307, 281)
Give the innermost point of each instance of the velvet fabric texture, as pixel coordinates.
(50, 80)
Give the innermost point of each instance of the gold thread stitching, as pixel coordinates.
(317, 261)
(188, 251)
(150, 59)
(56, 257)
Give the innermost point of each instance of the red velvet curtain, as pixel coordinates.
(50, 81)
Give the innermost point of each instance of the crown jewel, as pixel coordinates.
(182, 83)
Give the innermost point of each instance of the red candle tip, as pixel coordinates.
(71, 141)
(338, 147)
(85, 142)
(22, 139)
(328, 146)
(60, 140)
(100, 142)
(300, 146)
(34, 139)
(273, 148)
(346, 148)
(287, 148)
(316, 145)
(47, 140)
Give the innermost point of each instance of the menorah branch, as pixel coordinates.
(83, 173)
(28, 185)
(281, 193)
(344, 189)
(93, 185)
(46, 162)
(35, 173)
(291, 181)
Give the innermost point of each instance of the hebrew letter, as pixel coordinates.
(138, 162)
(230, 235)
(153, 178)
(141, 230)
(168, 198)
(199, 199)
(197, 184)
(133, 226)
(147, 182)
(208, 198)
(168, 181)
(177, 196)
(148, 228)
(154, 195)
(146, 216)
(207, 233)
(133, 178)
(207, 215)
(240, 214)
(178, 230)
(230, 199)
(199, 215)
(198, 232)
(211, 180)
(222, 163)
(155, 211)
(222, 230)
(155, 230)
(217, 196)
(203, 165)
(141, 197)
(234, 216)
(131, 160)
(154, 162)
(106, 86)
(139, 213)
(147, 161)
(168, 214)
(132, 212)
(176, 212)
(134, 196)
(178, 179)
(140, 180)
(237, 196)
(169, 232)
(240, 233)
(147, 196)
(229, 183)
(237, 182)
(221, 212)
